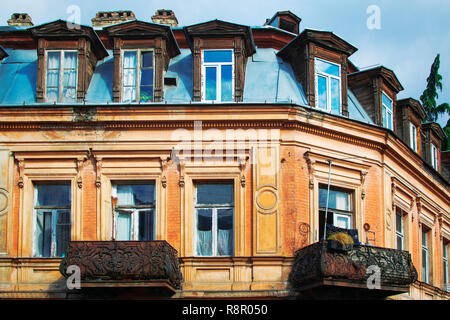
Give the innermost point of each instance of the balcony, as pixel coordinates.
(117, 268)
(323, 271)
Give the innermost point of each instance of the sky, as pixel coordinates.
(407, 37)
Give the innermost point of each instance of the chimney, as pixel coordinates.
(21, 20)
(167, 17)
(106, 18)
(285, 20)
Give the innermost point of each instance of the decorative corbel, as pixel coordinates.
(98, 166)
(79, 168)
(419, 206)
(21, 166)
(310, 163)
(181, 164)
(164, 162)
(242, 167)
(393, 192)
(363, 181)
(439, 218)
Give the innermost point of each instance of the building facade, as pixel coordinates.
(204, 160)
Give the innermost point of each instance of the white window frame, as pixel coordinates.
(61, 74)
(388, 111)
(138, 73)
(328, 77)
(425, 275)
(134, 212)
(413, 136)
(218, 66)
(54, 212)
(400, 234)
(434, 157)
(214, 208)
(445, 246)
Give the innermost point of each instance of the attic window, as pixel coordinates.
(61, 80)
(137, 81)
(328, 85)
(217, 75)
(387, 112)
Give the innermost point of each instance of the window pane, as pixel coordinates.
(146, 225)
(387, 101)
(322, 92)
(384, 116)
(146, 94)
(135, 194)
(123, 226)
(53, 60)
(47, 235)
(342, 221)
(204, 232)
(225, 232)
(218, 55)
(326, 67)
(129, 77)
(226, 83)
(62, 232)
(424, 239)
(147, 59)
(129, 59)
(211, 83)
(424, 265)
(52, 94)
(335, 96)
(399, 243)
(146, 77)
(398, 223)
(337, 200)
(129, 94)
(215, 193)
(53, 195)
(389, 120)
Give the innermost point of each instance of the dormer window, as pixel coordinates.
(137, 76)
(61, 79)
(413, 136)
(217, 75)
(328, 85)
(387, 111)
(434, 157)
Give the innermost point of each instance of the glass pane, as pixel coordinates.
(384, 117)
(146, 225)
(147, 59)
(226, 83)
(146, 77)
(225, 232)
(326, 67)
(204, 232)
(215, 193)
(424, 239)
(123, 226)
(399, 243)
(62, 232)
(389, 120)
(53, 60)
(47, 235)
(387, 101)
(129, 59)
(129, 94)
(399, 223)
(135, 194)
(211, 83)
(129, 77)
(342, 221)
(52, 94)
(335, 96)
(146, 94)
(338, 199)
(322, 92)
(53, 195)
(424, 265)
(218, 55)
(52, 78)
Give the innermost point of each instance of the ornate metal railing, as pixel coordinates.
(317, 262)
(123, 261)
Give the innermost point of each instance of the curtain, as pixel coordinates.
(53, 64)
(125, 195)
(70, 77)
(204, 242)
(224, 242)
(123, 226)
(129, 76)
(341, 201)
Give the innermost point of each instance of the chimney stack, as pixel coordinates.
(106, 18)
(167, 17)
(21, 20)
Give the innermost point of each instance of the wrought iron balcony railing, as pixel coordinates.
(318, 266)
(114, 263)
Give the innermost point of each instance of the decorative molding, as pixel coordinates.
(310, 163)
(363, 181)
(80, 163)
(164, 162)
(98, 166)
(243, 167)
(181, 164)
(21, 166)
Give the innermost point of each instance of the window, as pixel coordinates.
(400, 228)
(434, 157)
(328, 85)
(413, 136)
(52, 210)
(137, 76)
(425, 256)
(387, 112)
(134, 212)
(214, 214)
(217, 75)
(61, 80)
(445, 266)
(340, 209)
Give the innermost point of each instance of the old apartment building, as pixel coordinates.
(212, 160)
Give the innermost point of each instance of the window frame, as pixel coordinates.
(426, 250)
(434, 156)
(61, 75)
(400, 234)
(218, 66)
(139, 52)
(413, 136)
(445, 265)
(328, 79)
(214, 227)
(54, 213)
(134, 211)
(385, 110)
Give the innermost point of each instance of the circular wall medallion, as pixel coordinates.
(3, 200)
(267, 199)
